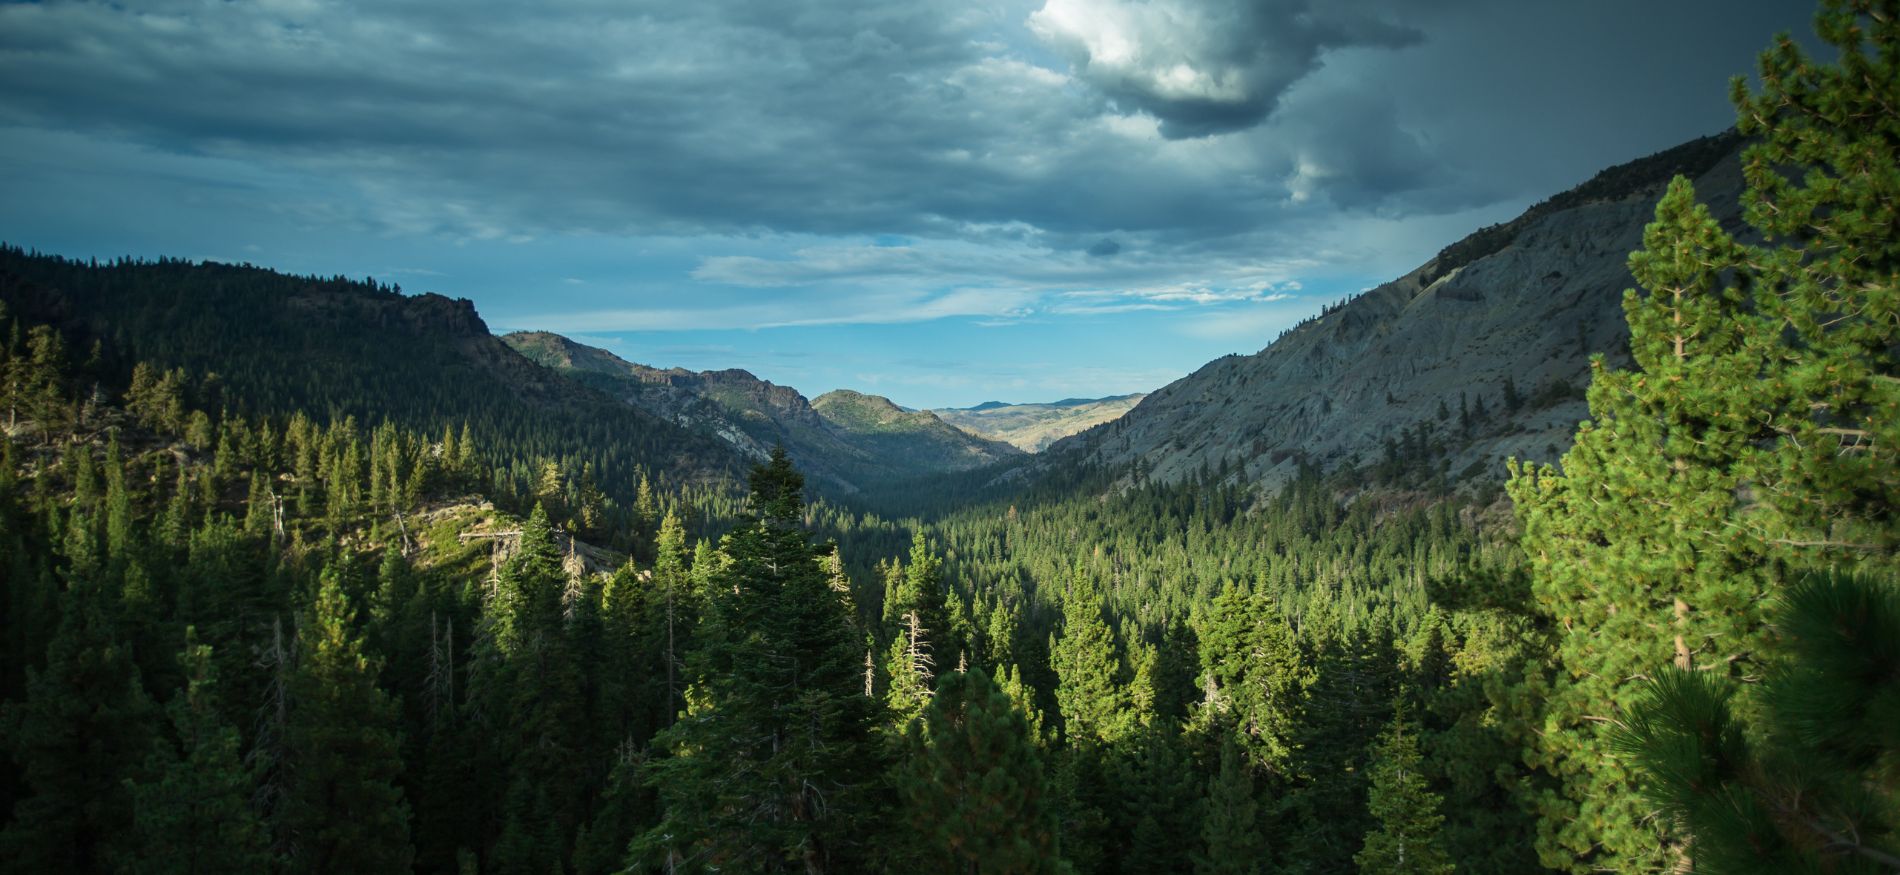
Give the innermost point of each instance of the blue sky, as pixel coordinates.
(945, 203)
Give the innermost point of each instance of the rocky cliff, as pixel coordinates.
(1482, 352)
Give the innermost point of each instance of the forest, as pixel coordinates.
(265, 619)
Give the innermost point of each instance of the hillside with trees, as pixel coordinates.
(848, 445)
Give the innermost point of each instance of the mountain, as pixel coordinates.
(1033, 427)
(844, 439)
(1480, 354)
(923, 440)
(266, 343)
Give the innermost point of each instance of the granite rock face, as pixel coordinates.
(1515, 309)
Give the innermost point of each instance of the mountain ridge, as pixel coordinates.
(1477, 355)
(862, 439)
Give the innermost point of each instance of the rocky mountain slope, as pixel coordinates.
(1480, 354)
(1033, 427)
(844, 439)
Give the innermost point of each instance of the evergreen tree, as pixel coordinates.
(1406, 840)
(1755, 435)
(345, 811)
(1091, 692)
(534, 702)
(83, 728)
(1158, 804)
(1823, 173)
(194, 816)
(1255, 678)
(772, 767)
(1812, 790)
(974, 795)
(1232, 842)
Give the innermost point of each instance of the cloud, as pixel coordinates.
(499, 122)
(876, 308)
(1205, 67)
(854, 160)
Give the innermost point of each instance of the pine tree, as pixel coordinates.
(920, 599)
(1755, 436)
(1255, 678)
(1406, 840)
(911, 670)
(533, 700)
(194, 816)
(1091, 692)
(1158, 804)
(1823, 176)
(773, 765)
(83, 729)
(1812, 789)
(344, 811)
(1232, 841)
(974, 795)
(680, 606)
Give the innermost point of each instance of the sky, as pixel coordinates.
(941, 202)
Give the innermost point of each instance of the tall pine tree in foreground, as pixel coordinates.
(773, 767)
(1816, 788)
(1755, 437)
(975, 798)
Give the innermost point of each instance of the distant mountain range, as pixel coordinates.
(1033, 427)
(846, 439)
(1479, 354)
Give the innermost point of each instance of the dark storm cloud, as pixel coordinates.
(497, 119)
(1207, 66)
(1223, 136)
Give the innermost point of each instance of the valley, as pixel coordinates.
(1572, 548)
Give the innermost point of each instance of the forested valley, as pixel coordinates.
(378, 612)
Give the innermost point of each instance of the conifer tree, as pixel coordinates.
(1232, 841)
(1812, 789)
(911, 670)
(975, 798)
(1255, 678)
(193, 816)
(1159, 793)
(1755, 435)
(344, 810)
(83, 728)
(535, 704)
(773, 766)
(919, 599)
(1091, 692)
(1406, 840)
(680, 608)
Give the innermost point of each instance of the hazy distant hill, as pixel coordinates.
(1033, 427)
(843, 438)
(1479, 354)
(920, 437)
